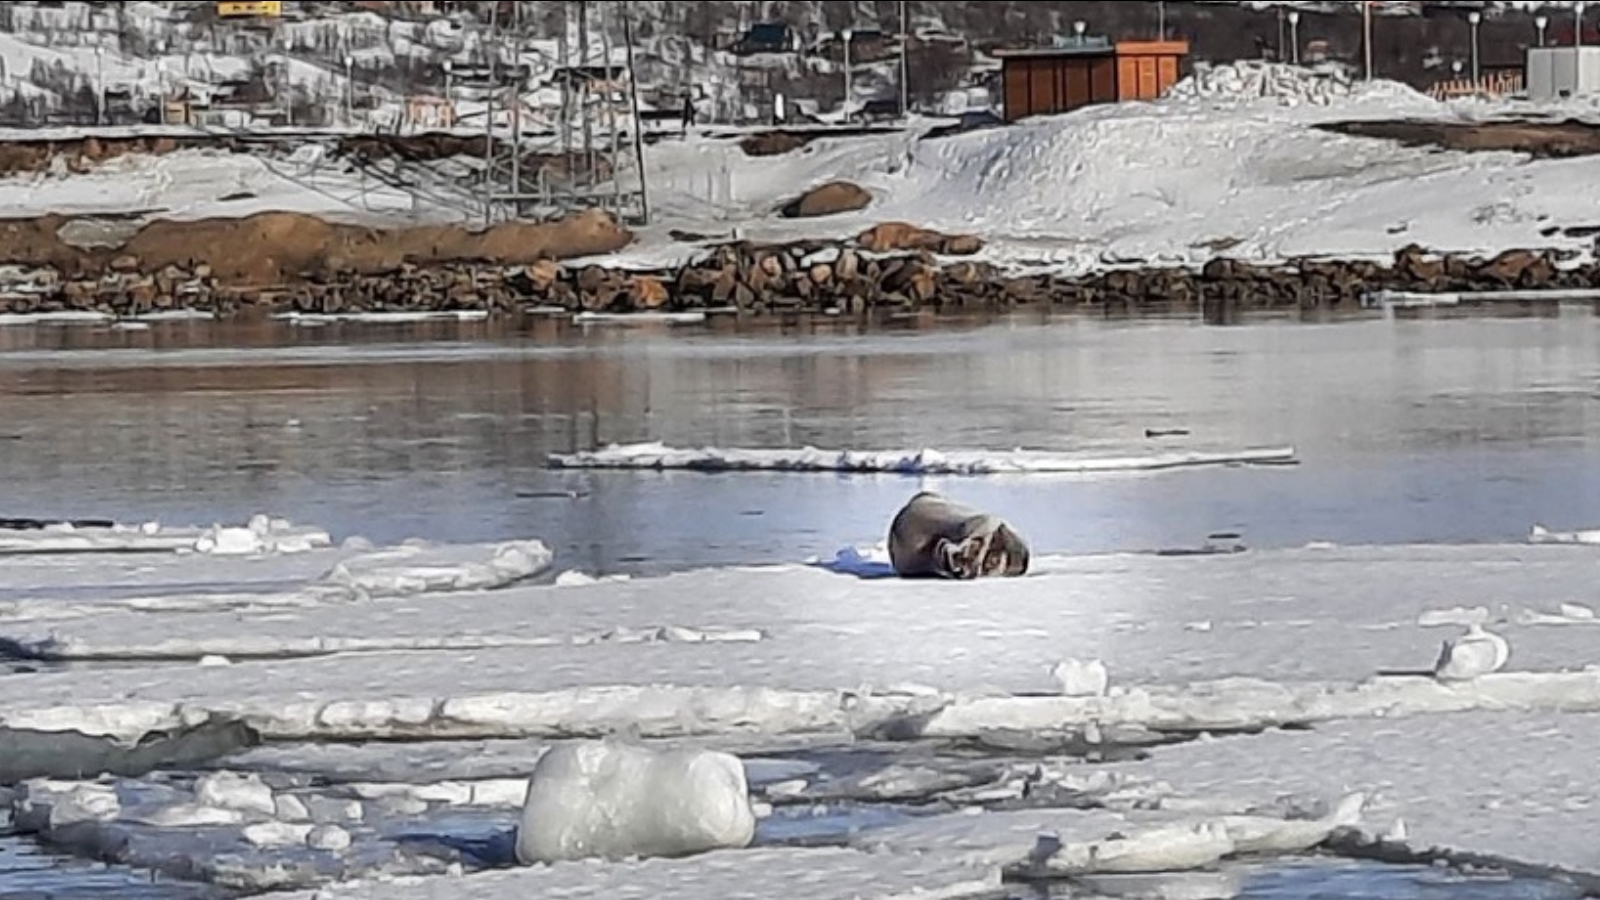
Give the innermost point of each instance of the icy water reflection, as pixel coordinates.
(1465, 430)
(29, 873)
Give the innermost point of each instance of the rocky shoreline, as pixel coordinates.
(892, 267)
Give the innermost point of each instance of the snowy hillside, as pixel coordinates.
(55, 59)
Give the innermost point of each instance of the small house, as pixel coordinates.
(1048, 80)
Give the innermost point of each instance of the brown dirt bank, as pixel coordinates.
(1542, 140)
(278, 248)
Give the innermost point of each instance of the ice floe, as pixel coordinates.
(798, 874)
(261, 535)
(1461, 783)
(906, 462)
(803, 648)
(1542, 535)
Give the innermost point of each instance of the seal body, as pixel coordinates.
(935, 537)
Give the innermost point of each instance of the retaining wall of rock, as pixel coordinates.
(913, 270)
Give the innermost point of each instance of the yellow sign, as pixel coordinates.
(270, 8)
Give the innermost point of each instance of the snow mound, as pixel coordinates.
(610, 800)
(904, 462)
(1247, 80)
(419, 568)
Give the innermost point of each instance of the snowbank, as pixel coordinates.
(613, 800)
(903, 462)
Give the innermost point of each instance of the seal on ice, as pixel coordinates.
(933, 536)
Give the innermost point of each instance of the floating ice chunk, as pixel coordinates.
(243, 793)
(43, 806)
(331, 811)
(574, 578)
(415, 569)
(1396, 831)
(1542, 535)
(230, 542)
(1082, 678)
(1463, 616)
(613, 800)
(329, 838)
(262, 535)
(1164, 849)
(290, 809)
(1577, 612)
(185, 815)
(1267, 834)
(1473, 655)
(277, 834)
(215, 661)
(905, 462)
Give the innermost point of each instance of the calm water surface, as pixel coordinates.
(1467, 430)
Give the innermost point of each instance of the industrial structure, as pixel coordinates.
(560, 117)
(1087, 70)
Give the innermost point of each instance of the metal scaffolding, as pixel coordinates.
(561, 123)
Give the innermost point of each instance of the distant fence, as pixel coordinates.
(1498, 84)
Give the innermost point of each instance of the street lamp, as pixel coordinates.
(849, 85)
(1473, 19)
(1078, 29)
(1540, 23)
(1161, 20)
(349, 90)
(99, 85)
(1294, 36)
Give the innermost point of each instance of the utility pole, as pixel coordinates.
(905, 65)
(1366, 32)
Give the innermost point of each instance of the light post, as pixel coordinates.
(1161, 20)
(1577, 44)
(349, 91)
(1540, 23)
(1078, 29)
(1294, 36)
(99, 85)
(161, 86)
(1473, 19)
(849, 85)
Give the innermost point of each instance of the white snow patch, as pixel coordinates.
(908, 462)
